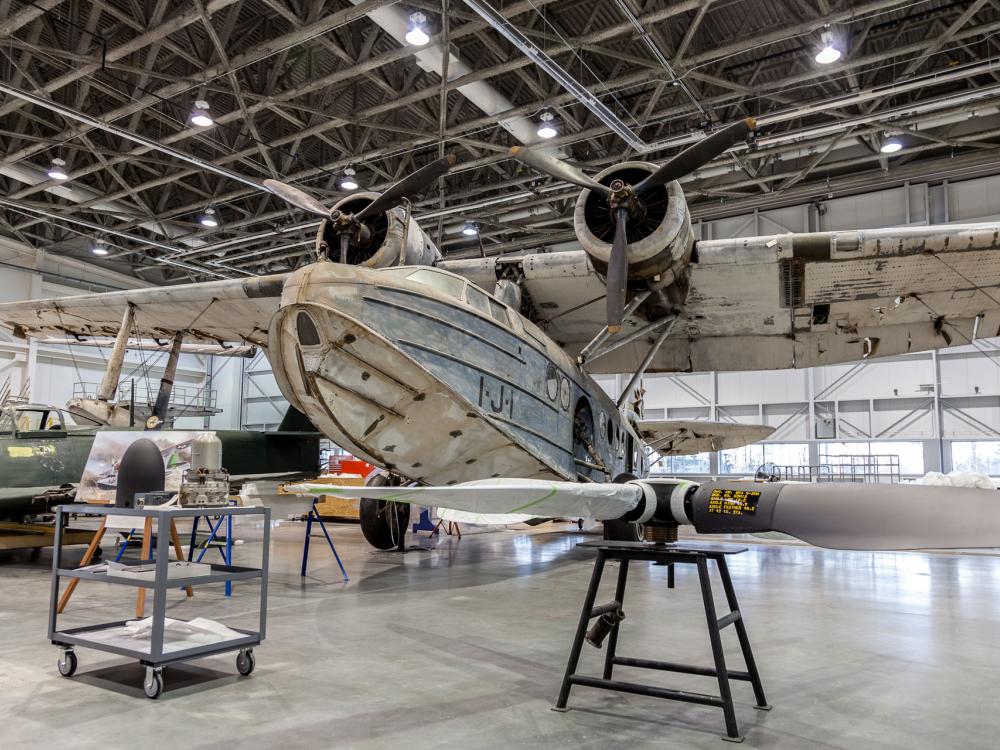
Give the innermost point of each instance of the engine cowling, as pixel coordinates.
(660, 238)
(392, 238)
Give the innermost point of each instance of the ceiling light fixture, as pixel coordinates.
(58, 170)
(829, 54)
(208, 219)
(417, 35)
(471, 229)
(891, 146)
(347, 182)
(200, 115)
(547, 125)
(98, 248)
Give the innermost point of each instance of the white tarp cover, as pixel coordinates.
(535, 497)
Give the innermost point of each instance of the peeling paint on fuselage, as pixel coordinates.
(424, 384)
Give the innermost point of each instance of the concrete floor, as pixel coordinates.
(463, 646)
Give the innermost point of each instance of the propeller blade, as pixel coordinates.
(531, 496)
(697, 154)
(557, 168)
(296, 197)
(345, 241)
(617, 278)
(413, 184)
(854, 516)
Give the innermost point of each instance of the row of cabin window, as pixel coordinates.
(476, 297)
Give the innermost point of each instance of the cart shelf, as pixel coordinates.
(219, 574)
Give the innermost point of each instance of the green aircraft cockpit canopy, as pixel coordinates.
(30, 418)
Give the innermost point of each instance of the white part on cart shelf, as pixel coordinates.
(177, 635)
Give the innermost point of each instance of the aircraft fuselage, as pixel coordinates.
(420, 372)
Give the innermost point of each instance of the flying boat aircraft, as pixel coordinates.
(458, 375)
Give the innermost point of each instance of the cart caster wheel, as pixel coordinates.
(152, 686)
(245, 662)
(67, 664)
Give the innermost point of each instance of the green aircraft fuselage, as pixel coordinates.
(39, 451)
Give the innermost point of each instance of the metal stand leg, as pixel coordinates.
(581, 631)
(741, 633)
(194, 537)
(305, 542)
(124, 547)
(229, 550)
(313, 513)
(732, 729)
(609, 657)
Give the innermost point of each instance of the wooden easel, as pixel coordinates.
(147, 536)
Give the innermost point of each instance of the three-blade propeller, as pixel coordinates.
(348, 225)
(626, 201)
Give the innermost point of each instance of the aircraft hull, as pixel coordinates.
(422, 385)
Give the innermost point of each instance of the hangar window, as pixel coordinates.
(305, 329)
(443, 282)
(881, 458)
(976, 456)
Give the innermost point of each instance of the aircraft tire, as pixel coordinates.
(383, 522)
(623, 531)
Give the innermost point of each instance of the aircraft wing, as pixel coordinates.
(791, 300)
(684, 437)
(233, 310)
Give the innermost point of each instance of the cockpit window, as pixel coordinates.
(35, 420)
(499, 312)
(477, 298)
(534, 332)
(450, 285)
(305, 329)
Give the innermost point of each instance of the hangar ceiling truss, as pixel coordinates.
(303, 89)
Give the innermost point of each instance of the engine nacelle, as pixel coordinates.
(392, 238)
(660, 238)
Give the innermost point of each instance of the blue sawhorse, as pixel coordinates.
(227, 554)
(314, 516)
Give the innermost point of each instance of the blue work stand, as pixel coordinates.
(314, 516)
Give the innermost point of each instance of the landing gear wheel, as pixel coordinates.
(98, 553)
(384, 522)
(245, 661)
(152, 686)
(623, 531)
(67, 663)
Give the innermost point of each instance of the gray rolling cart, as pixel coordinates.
(159, 649)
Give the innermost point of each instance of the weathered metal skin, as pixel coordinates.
(663, 252)
(423, 384)
(393, 239)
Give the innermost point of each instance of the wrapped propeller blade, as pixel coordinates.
(409, 186)
(852, 516)
(557, 168)
(697, 155)
(617, 278)
(296, 197)
(536, 497)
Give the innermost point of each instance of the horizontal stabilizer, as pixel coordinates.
(684, 437)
